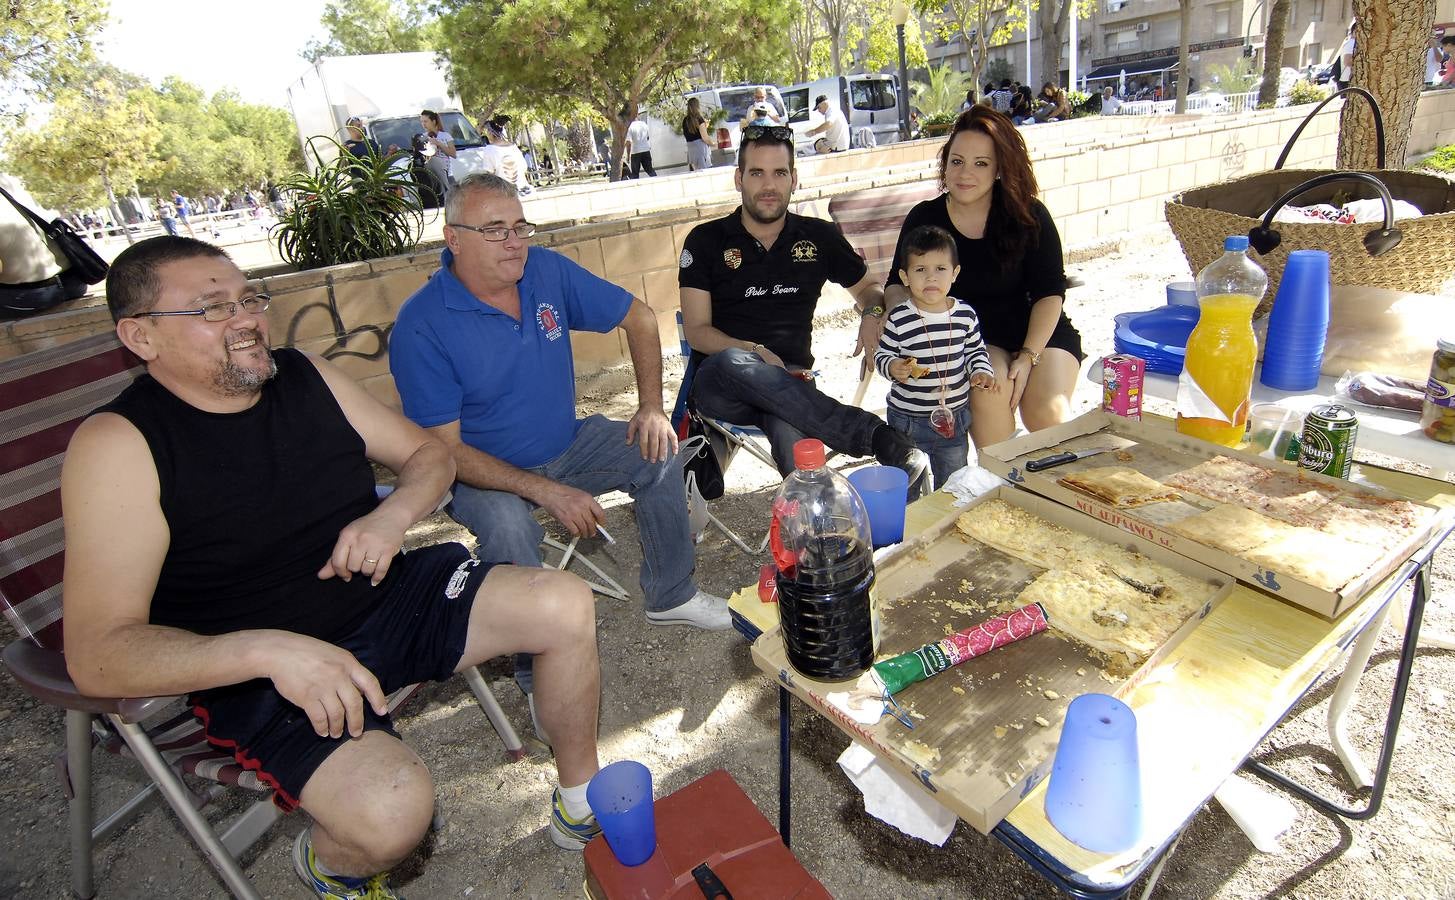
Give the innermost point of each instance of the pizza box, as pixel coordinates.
(1155, 449)
(977, 746)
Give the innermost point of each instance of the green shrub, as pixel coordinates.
(1305, 92)
(1442, 160)
(1082, 103)
(350, 209)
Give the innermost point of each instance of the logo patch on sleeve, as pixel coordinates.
(685, 260)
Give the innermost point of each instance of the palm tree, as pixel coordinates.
(942, 94)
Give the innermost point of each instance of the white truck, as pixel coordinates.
(387, 91)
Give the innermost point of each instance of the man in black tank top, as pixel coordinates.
(223, 538)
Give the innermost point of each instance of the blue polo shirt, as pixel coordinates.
(511, 385)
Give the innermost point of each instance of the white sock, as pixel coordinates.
(574, 801)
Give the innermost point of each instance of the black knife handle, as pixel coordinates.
(711, 886)
(1047, 462)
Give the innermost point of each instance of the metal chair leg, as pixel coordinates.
(494, 713)
(1343, 698)
(785, 773)
(78, 764)
(180, 800)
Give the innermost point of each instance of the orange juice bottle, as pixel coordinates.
(1217, 373)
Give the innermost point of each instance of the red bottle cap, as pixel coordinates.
(808, 454)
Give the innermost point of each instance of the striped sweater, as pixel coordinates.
(948, 343)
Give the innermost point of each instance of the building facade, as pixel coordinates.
(1140, 38)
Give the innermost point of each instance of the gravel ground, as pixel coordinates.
(687, 702)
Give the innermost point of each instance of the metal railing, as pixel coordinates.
(1201, 104)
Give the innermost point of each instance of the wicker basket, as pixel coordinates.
(1201, 218)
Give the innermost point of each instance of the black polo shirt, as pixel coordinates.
(768, 296)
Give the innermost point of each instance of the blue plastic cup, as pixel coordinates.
(1095, 794)
(621, 797)
(885, 491)
(1298, 324)
(1182, 293)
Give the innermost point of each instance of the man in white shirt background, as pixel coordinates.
(834, 126)
(639, 148)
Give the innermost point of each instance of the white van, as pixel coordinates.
(867, 101)
(669, 146)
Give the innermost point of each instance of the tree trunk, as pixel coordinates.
(116, 215)
(1054, 19)
(618, 142)
(1184, 22)
(1273, 53)
(1389, 46)
(836, 49)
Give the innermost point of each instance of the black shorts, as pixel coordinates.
(417, 633)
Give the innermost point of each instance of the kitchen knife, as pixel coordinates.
(1046, 462)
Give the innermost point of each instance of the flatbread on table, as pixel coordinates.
(1120, 486)
(1109, 597)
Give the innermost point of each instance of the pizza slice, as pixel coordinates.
(1318, 559)
(1120, 486)
(1222, 478)
(1231, 528)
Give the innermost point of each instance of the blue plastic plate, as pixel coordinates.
(1158, 336)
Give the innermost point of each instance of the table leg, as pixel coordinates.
(1431, 640)
(1420, 595)
(1344, 696)
(785, 756)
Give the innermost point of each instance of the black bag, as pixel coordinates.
(704, 465)
(85, 264)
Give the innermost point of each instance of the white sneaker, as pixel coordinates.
(702, 611)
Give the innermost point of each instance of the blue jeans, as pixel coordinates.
(597, 461)
(738, 387)
(947, 455)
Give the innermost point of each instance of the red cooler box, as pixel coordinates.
(709, 821)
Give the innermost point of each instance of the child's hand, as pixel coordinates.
(985, 382)
(900, 369)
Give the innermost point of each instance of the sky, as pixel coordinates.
(251, 46)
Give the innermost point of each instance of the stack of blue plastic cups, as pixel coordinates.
(1298, 324)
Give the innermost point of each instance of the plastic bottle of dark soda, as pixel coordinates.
(825, 562)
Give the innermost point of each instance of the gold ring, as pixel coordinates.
(373, 561)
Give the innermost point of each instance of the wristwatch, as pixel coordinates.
(877, 311)
(1035, 357)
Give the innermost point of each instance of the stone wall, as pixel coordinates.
(1098, 176)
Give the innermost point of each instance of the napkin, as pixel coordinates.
(970, 482)
(896, 799)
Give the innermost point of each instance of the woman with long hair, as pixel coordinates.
(699, 141)
(1023, 106)
(1011, 272)
(1054, 104)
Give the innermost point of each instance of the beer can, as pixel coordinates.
(1327, 444)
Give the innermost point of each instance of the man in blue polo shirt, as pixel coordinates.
(482, 358)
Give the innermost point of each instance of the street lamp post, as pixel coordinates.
(901, 15)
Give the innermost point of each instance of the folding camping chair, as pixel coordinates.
(43, 398)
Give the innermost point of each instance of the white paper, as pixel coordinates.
(1194, 403)
(971, 482)
(1261, 814)
(895, 798)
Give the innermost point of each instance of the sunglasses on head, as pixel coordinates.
(771, 132)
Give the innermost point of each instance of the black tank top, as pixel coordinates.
(690, 130)
(254, 502)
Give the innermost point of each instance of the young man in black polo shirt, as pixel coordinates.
(749, 284)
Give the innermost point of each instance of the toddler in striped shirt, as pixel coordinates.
(932, 351)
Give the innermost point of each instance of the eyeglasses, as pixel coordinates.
(220, 311)
(496, 233)
(771, 132)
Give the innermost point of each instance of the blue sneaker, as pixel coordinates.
(337, 886)
(568, 833)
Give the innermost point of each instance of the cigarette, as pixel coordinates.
(606, 534)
